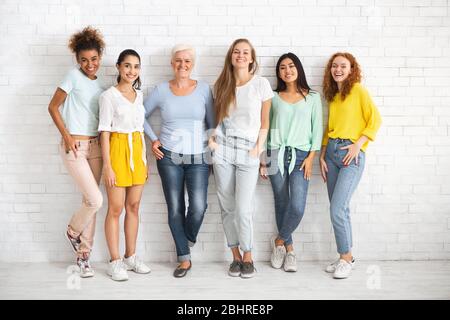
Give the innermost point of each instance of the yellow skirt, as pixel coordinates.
(129, 171)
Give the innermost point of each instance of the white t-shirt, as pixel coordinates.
(118, 114)
(244, 119)
(80, 109)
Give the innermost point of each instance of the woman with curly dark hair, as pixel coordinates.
(353, 121)
(80, 148)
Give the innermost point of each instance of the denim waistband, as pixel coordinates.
(184, 158)
(339, 140)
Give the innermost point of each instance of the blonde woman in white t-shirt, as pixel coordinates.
(121, 126)
(242, 107)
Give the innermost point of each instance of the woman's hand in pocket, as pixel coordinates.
(156, 151)
(70, 144)
(353, 152)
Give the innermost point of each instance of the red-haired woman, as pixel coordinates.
(353, 121)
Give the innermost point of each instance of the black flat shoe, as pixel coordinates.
(181, 272)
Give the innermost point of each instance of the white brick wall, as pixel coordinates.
(402, 207)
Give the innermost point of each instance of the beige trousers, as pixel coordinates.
(86, 170)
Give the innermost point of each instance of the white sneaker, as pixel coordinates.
(135, 264)
(85, 268)
(343, 269)
(278, 254)
(290, 262)
(331, 268)
(117, 270)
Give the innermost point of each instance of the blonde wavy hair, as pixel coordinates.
(225, 86)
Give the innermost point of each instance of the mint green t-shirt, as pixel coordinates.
(296, 125)
(80, 109)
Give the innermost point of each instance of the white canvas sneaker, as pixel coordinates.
(85, 268)
(331, 268)
(278, 254)
(343, 269)
(135, 264)
(117, 270)
(290, 262)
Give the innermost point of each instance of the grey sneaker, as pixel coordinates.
(343, 269)
(290, 262)
(135, 264)
(74, 242)
(248, 270)
(85, 268)
(331, 268)
(278, 254)
(235, 269)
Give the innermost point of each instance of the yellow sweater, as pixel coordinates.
(352, 118)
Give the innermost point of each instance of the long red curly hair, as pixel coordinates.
(330, 87)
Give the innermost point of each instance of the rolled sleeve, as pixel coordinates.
(150, 104)
(316, 124)
(372, 117)
(68, 82)
(106, 114)
(266, 90)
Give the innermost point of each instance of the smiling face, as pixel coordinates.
(241, 57)
(288, 70)
(89, 61)
(340, 69)
(129, 69)
(182, 64)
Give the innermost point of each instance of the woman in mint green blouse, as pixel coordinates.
(295, 136)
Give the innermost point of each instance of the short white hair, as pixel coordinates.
(183, 47)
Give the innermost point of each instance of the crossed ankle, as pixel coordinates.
(84, 255)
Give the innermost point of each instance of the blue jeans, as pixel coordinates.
(176, 171)
(341, 183)
(289, 191)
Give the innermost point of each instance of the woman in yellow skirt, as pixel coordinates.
(121, 125)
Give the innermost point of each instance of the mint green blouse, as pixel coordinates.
(296, 125)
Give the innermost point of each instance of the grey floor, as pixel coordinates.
(370, 280)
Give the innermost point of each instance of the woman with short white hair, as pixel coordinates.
(186, 107)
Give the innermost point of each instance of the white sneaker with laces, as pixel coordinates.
(343, 269)
(135, 264)
(290, 262)
(117, 270)
(331, 268)
(278, 254)
(85, 268)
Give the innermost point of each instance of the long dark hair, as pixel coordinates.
(122, 56)
(302, 84)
